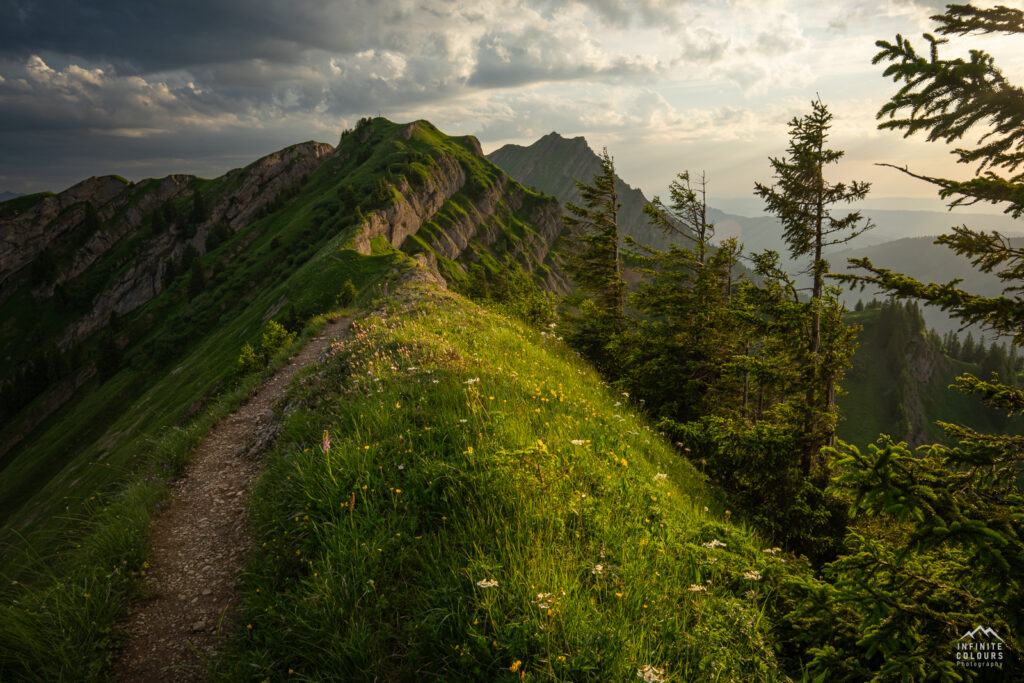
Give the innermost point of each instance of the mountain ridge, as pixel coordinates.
(552, 163)
(121, 303)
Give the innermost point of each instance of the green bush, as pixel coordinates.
(348, 294)
(275, 337)
(248, 361)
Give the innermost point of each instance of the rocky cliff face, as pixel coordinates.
(553, 163)
(457, 222)
(123, 210)
(93, 254)
(412, 208)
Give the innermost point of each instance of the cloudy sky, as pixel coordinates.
(144, 88)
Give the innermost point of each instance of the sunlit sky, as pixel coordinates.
(144, 88)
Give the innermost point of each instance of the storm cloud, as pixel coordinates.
(144, 88)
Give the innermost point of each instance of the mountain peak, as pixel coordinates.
(554, 137)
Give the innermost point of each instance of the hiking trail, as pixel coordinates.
(198, 545)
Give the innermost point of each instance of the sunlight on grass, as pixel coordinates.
(485, 509)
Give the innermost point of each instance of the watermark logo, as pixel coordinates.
(980, 648)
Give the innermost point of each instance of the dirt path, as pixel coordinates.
(198, 545)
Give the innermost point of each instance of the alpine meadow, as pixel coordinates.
(397, 409)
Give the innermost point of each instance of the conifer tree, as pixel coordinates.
(954, 556)
(681, 344)
(802, 199)
(594, 264)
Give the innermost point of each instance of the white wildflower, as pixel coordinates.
(752, 575)
(598, 570)
(714, 543)
(472, 381)
(626, 394)
(487, 583)
(659, 476)
(697, 588)
(577, 442)
(650, 675)
(542, 600)
(772, 551)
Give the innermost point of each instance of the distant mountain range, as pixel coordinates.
(552, 163)
(900, 240)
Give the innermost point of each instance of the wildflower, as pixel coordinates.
(714, 543)
(626, 394)
(772, 551)
(487, 583)
(650, 675)
(697, 588)
(463, 420)
(542, 600)
(577, 442)
(515, 666)
(598, 570)
(752, 575)
(659, 476)
(472, 381)
(325, 445)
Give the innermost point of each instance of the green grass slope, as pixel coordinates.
(180, 349)
(487, 510)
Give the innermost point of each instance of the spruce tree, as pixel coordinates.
(593, 262)
(952, 555)
(679, 348)
(803, 201)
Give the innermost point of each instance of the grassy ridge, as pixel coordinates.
(178, 351)
(59, 614)
(486, 508)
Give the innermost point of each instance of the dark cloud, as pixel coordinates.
(127, 76)
(160, 36)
